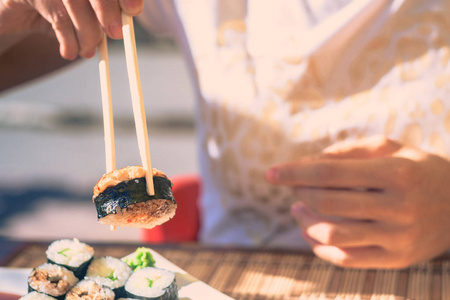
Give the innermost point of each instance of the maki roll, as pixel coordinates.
(50, 279)
(71, 254)
(121, 199)
(36, 296)
(110, 272)
(152, 283)
(90, 290)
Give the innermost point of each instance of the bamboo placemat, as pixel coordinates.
(258, 275)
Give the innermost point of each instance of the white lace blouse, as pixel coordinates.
(280, 79)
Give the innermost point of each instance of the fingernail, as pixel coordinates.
(297, 209)
(115, 30)
(307, 238)
(90, 54)
(69, 55)
(273, 175)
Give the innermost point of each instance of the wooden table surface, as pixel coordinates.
(271, 274)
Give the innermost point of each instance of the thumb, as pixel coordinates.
(374, 146)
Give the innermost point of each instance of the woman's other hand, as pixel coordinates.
(372, 203)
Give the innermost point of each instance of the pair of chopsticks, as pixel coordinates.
(136, 98)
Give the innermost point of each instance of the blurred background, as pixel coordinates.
(52, 147)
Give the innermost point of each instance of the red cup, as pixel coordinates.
(185, 225)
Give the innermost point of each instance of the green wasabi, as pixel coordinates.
(141, 258)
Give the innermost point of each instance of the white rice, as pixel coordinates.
(36, 296)
(69, 252)
(103, 267)
(138, 283)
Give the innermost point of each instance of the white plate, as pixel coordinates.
(14, 281)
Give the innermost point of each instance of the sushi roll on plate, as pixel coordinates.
(71, 254)
(110, 272)
(152, 284)
(89, 290)
(50, 279)
(121, 199)
(36, 296)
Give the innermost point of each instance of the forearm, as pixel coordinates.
(25, 58)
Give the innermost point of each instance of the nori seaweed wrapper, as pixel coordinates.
(79, 271)
(130, 192)
(120, 292)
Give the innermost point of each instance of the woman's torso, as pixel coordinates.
(278, 80)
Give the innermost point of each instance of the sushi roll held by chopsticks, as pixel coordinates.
(121, 199)
(132, 196)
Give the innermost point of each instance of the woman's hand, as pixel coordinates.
(372, 204)
(77, 24)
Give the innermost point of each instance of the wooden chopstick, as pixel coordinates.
(105, 84)
(137, 99)
(137, 102)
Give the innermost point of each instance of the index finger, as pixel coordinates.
(332, 173)
(56, 14)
